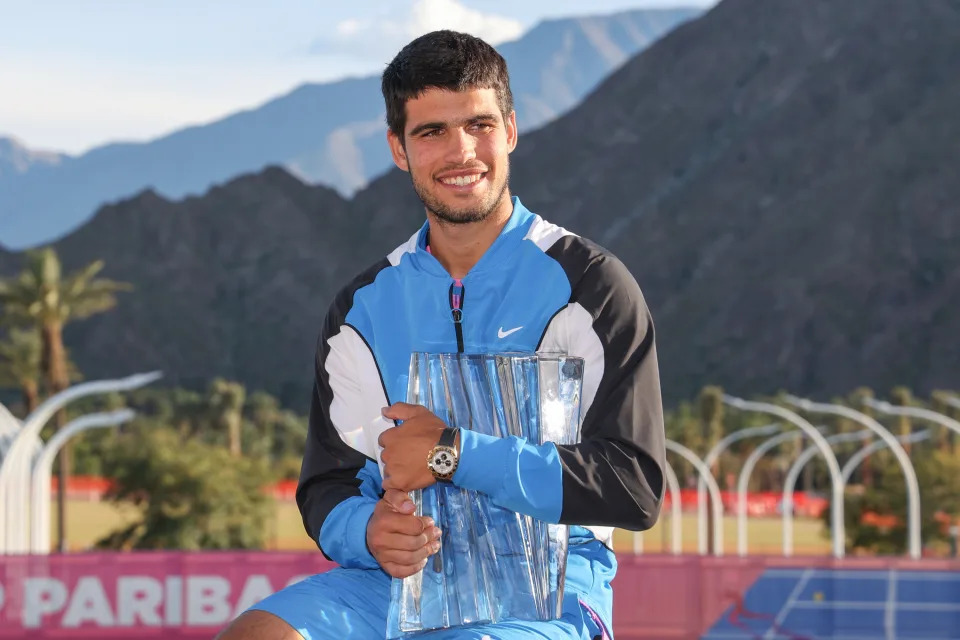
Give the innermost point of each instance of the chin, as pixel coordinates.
(460, 217)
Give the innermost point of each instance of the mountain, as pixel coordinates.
(778, 176)
(233, 282)
(329, 134)
(17, 159)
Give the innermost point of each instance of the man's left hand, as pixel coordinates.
(405, 447)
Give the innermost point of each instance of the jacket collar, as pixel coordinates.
(498, 256)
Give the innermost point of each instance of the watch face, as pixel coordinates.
(442, 461)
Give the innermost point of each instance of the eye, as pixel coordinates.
(430, 133)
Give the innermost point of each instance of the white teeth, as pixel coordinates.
(461, 181)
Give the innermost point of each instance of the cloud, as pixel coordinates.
(430, 15)
(381, 37)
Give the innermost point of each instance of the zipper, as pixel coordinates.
(457, 295)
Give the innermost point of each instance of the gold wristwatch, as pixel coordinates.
(443, 458)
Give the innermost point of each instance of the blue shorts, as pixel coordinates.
(352, 603)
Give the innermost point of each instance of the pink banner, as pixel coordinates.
(160, 595)
(190, 596)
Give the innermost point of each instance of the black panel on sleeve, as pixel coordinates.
(614, 477)
(328, 475)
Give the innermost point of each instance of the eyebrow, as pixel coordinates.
(482, 117)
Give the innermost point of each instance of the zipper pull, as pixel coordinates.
(457, 294)
(456, 300)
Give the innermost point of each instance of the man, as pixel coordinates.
(484, 274)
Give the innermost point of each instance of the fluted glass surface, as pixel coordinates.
(493, 564)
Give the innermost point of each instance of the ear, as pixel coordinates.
(511, 126)
(397, 151)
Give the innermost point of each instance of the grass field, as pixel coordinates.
(764, 536)
(88, 521)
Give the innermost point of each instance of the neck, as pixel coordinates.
(458, 247)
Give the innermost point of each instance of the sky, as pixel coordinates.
(75, 74)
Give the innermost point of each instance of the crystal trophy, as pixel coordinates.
(493, 564)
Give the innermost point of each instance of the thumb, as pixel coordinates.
(403, 411)
(399, 500)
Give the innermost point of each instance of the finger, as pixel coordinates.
(403, 542)
(403, 411)
(402, 481)
(414, 556)
(399, 500)
(403, 571)
(399, 482)
(389, 539)
(405, 524)
(385, 437)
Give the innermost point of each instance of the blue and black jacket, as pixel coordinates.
(537, 288)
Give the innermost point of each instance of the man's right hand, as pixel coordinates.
(400, 541)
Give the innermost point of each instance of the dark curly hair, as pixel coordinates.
(442, 60)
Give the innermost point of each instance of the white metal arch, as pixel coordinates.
(712, 456)
(40, 480)
(857, 459)
(15, 466)
(914, 412)
(913, 487)
(743, 481)
(676, 515)
(790, 482)
(716, 502)
(836, 483)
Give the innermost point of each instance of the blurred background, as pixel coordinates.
(185, 186)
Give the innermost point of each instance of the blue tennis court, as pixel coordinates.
(812, 604)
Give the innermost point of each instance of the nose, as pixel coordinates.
(463, 147)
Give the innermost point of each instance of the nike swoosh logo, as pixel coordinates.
(503, 334)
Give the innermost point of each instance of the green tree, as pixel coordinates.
(20, 365)
(42, 297)
(937, 474)
(271, 430)
(261, 424)
(186, 410)
(190, 495)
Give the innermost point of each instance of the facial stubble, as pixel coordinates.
(450, 215)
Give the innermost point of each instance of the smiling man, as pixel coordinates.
(533, 286)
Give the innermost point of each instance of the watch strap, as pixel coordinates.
(448, 438)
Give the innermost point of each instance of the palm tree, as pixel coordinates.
(43, 297)
(901, 396)
(227, 399)
(856, 400)
(20, 365)
(947, 441)
(710, 403)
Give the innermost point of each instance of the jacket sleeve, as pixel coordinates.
(339, 483)
(614, 476)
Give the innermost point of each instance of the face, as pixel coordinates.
(456, 147)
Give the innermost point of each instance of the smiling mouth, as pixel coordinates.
(462, 181)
